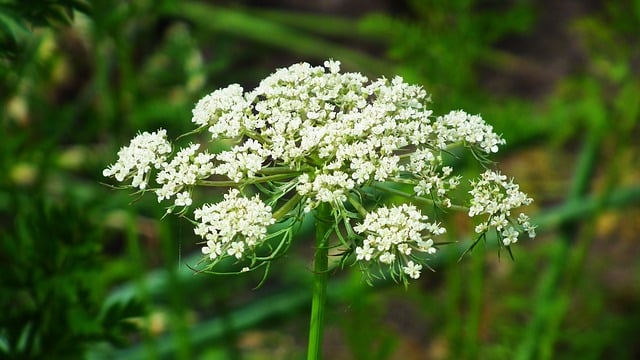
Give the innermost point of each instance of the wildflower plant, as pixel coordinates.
(316, 141)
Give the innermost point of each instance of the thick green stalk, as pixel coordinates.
(320, 269)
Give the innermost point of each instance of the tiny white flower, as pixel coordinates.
(212, 249)
(364, 253)
(183, 199)
(509, 236)
(236, 249)
(387, 257)
(333, 66)
(412, 269)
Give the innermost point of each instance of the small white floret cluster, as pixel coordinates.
(135, 161)
(183, 171)
(395, 236)
(317, 135)
(471, 129)
(233, 226)
(495, 197)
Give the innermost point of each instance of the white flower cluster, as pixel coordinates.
(431, 177)
(242, 161)
(348, 132)
(182, 171)
(221, 111)
(394, 236)
(325, 136)
(233, 226)
(494, 196)
(174, 178)
(146, 150)
(471, 129)
(331, 188)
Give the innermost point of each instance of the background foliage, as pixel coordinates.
(90, 275)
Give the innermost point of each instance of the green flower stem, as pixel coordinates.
(418, 199)
(356, 204)
(267, 178)
(272, 170)
(255, 180)
(214, 183)
(320, 272)
(286, 207)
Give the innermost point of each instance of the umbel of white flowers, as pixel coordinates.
(313, 135)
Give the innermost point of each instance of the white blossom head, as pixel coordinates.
(311, 135)
(146, 151)
(493, 196)
(233, 226)
(399, 237)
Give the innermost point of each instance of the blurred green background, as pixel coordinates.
(88, 272)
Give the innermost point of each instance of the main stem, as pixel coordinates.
(320, 268)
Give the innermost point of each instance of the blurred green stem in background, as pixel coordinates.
(551, 302)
